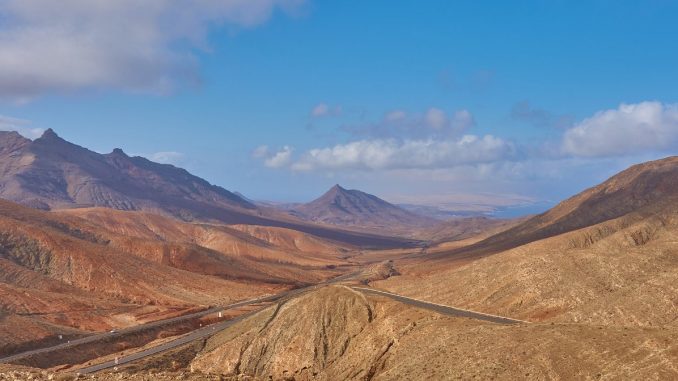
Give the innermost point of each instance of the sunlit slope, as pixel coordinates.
(336, 333)
(268, 254)
(641, 186)
(621, 271)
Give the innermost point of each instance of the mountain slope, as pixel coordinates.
(606, 256)
(94, 268)
(354, 208)
(650, 186)
(50, 172)
(336, 333)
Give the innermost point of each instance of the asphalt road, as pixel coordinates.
(442, 309)
(214, 328)
(138, 328)
(194, 335)
(190, 337)
(205, 331)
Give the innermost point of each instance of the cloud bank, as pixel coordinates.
(410, 154)
(431, 141)
(629, 129)
(68, 45)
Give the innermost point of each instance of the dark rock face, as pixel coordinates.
(344, 207)
(50, 172)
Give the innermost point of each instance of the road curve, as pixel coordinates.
(155, 324)
(137, 328)
(214, 328)
(192, 336)
(440, 308)
(205, 331)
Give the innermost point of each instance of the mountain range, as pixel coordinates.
(51, 173)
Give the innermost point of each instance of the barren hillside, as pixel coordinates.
(641, 186)
(620, 271)
(91, 269)
(336, 333)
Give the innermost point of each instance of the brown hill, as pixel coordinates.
(338, 334)
(619, 272)
(614, 262)
(645, 185)
(91, 269)
(457, 229)
(251, 253)
(356, 209)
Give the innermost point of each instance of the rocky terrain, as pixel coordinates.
(338, 333)
(620, 271)
(77, 271)
(599, 290)
(594, 278)
(309, 339)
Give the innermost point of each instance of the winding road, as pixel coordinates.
(137, 328)
(212, 329)
(194, 335)
(216, 327)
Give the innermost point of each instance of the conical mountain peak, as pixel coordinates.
(49, 134)
(340, 206)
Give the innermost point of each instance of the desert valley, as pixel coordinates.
(116, 265)
(304, 190)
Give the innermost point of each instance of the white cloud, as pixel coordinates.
(629, 129)
(167, 157)
(408, 154)
(67, 45)
(323, 109)
(279, 159)
(21, 126)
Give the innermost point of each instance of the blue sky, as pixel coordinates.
(413, 101)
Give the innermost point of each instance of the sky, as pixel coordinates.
(415, 101)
